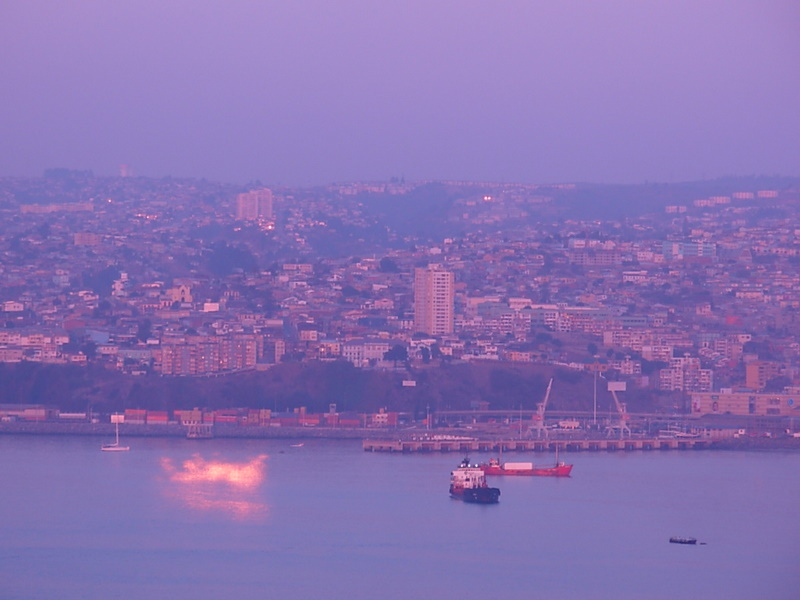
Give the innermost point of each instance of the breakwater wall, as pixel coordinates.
(433, 445)
(587, 445)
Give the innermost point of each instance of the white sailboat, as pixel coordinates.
(115, 447)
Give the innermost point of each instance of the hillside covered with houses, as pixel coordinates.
(137, 293)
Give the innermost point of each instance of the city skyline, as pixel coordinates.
(688, 292)
(308, 93)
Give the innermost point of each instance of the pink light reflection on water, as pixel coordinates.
(219, 486)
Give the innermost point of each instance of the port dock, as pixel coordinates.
(587, 445)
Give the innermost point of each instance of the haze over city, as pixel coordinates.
(288, 287)
(309, 92)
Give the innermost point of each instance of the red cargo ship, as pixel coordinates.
(495, 467)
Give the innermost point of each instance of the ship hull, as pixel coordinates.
(481, 495)
(555, 471)
(114, 448)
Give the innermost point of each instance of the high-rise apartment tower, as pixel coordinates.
(433, 300)
(254, 205)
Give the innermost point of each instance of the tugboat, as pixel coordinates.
(468, 483)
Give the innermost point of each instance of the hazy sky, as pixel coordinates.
(314, 91)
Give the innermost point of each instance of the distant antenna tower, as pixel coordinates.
(125, 171)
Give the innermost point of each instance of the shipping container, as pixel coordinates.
(518, 466)
(226, 419)
(72, 416)
(227, 412)
(157, 418)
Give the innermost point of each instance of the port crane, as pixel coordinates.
(621, 422)
(538, 418)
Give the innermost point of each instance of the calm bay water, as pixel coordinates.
(246, 519)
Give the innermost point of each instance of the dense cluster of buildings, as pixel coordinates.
(193, 278)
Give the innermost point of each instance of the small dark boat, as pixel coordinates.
(683, 540)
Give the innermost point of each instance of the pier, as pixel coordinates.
(587, 445)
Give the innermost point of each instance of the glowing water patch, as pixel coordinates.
(216, 485)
